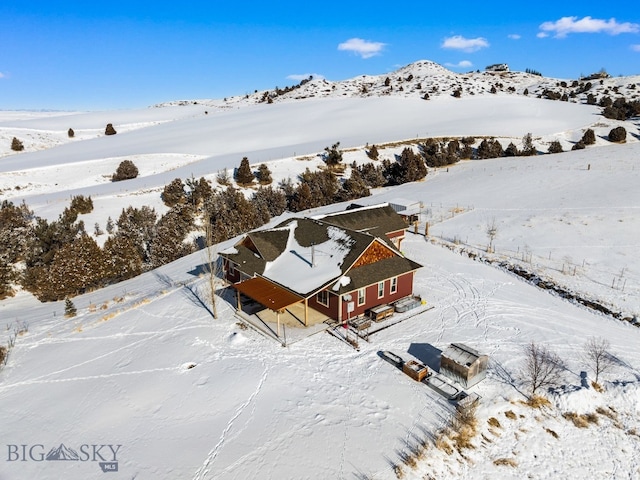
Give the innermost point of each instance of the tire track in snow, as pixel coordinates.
(212, 455)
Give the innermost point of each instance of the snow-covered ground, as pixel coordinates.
(144, 366)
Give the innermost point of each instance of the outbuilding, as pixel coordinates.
(463, 364)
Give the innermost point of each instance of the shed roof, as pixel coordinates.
(462, 354)
(268, 293)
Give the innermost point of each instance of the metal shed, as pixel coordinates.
(463, 364)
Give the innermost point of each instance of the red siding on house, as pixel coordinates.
(396, 237)
(231, 274)
(397, 233)
(330, 311)
(405, 288)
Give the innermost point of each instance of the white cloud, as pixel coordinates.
(458, 42)
(461, 64)
(303, 76)
(542, 35)
(1, 75)
(635, 48)
(514, 36)
(364, 48)
(566, 25)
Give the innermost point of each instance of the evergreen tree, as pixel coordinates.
(302, 199)
(354, 187)
(555, 147)
(174, 194)
(137, 225)
(69, 308)
(489, 148)
(333, 156)
(15, 232)
(409, 167)
(170, 232)
(77, 267)
(372, 153)
(323, 185)
(16, 145)
(122, 259)
(264, 174)
(243, 175)
(109, 130)
(125, 171)
(199, 191)
(511, 150)
(230, 214)
(71, 133)
(110, 225)
(589, 137)
(372, 175)
(579, 145)
(618, 134)
(273, 201)
(528, 149)
(81, 204)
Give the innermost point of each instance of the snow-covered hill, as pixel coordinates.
(147, 378)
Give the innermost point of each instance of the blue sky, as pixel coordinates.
(125, 54)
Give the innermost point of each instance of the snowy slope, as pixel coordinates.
(144, 366)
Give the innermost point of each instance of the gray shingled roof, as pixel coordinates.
(378, 221)
(273, 242)
(366, 275)
(270, 243)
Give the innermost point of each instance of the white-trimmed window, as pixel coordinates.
(323, 298)
(232, 269)
(380, 289)
(394, 285)
(362, 297)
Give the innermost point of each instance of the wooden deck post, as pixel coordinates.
(306, 312)
(239, 306)
(278, 317)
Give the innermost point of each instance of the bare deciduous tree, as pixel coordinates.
(212, 266)
(492, 232)
(597, 356)
(542, 368)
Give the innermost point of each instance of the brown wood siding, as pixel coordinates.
(247, 242)
(405, 288)
(376, 251)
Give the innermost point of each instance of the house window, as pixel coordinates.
(380, 289)
(323, 298)
(361, 296)
(232, 269)
(394, 285)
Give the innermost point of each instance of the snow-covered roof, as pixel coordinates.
(462, 354)
(305, 255)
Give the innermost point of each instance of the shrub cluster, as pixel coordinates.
(125, 171)
(16, 145)
(618, 134)
(81, 204)
(621, 109)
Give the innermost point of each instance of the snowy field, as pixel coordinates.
(173, 394)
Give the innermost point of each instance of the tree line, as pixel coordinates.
(58, 259)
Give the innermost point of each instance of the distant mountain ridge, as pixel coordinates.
(426, 79)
